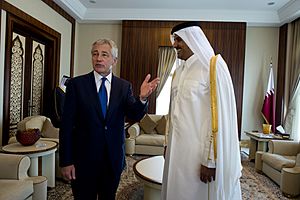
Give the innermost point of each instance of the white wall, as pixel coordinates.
(87, 34)
(42, 12)
(261, 45)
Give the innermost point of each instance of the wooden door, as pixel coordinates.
(26, 78)
(31, 71)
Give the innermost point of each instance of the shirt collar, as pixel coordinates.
(98, 77)
(190, 60)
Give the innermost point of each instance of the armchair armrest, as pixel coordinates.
(14, 166)
(284, 147)
(134, 130)
(298, 160)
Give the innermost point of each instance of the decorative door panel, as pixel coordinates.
(37, 78)
(26, 79)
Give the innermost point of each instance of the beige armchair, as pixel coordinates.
(14, 181)
(48, 132)
(282, 164)
(147, 136)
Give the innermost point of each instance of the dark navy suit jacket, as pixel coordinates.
(87, 139)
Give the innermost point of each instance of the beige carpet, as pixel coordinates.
(254, 186)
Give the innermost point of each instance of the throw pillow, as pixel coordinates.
(49, 131)
(162, 126)
(35, 122)
(148, 125)
(21, 126)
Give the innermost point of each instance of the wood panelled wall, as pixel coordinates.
(141, 40)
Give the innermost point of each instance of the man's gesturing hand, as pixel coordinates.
(148, 87)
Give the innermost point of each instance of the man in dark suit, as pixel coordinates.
(92, 130)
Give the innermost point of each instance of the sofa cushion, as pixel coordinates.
(148, 125)
(21, 126)
(35, 122)
(162, 127)
(49, 130)
(150, 139)
(15, 189)
(278, 161)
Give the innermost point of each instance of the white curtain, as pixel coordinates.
(166, 59)
(292, 119)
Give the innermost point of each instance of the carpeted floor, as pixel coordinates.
(254, 185)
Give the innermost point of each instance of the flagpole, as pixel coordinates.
(268, 109)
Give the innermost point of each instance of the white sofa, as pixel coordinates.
(14, 181)
(282, 164)
(148, 136)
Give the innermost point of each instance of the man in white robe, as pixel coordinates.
(192, 170)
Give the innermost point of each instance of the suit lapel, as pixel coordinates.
(95, 98)
(114, 92)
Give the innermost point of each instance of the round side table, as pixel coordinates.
(42, 148)
(150, 172)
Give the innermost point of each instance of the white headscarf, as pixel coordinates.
(196, 40)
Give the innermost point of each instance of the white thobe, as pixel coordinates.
(190, 132)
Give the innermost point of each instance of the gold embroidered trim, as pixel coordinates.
(214, 103)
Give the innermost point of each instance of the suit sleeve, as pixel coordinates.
(67, 125)
(135, 108)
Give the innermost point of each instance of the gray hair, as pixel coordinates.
(111, 43)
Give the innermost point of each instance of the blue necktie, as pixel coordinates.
(103, 96)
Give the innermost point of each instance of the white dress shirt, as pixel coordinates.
(98, 82)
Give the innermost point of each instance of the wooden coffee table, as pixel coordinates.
(150, 172)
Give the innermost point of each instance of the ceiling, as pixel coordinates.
(254, 12)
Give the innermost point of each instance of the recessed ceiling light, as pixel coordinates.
(92, 1)
(271, 3)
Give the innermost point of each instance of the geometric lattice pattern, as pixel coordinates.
(37, 79)
(16, 77)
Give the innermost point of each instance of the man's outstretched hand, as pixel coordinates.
(207, 174)
(148, 87)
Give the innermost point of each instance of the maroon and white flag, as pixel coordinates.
(268, 109)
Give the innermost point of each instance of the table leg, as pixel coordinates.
(262, 146)
(151, 193)
(252, 149)
(48, 168)
(34, 167)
